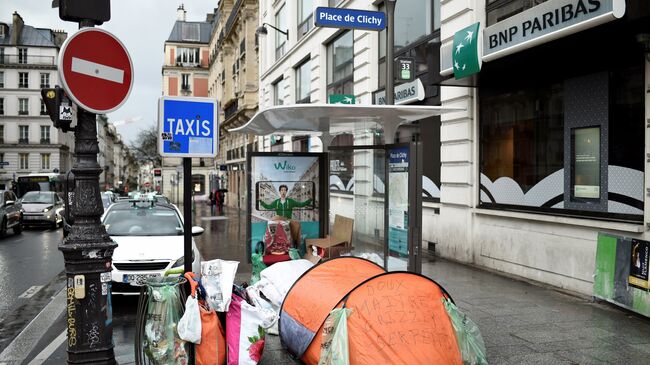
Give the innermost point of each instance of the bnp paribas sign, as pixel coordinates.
(550, 20)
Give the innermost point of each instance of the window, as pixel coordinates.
(23, 106)
(279, 91)
(498, 10)
(22, 55)
(23, 79)
(304, 17)
(2, 55)
(420, 26)
(2, 134)
(23, 161)
(45, 134)
(187, 57)
(280, 39)
(198, 184)
(340, 65)
(334, 3)
(45, 161)
(45, 80)
(303, 83)
(185, 82)
(2, 160)
(23, 133)
(2, 106)
(2, 78)
(43, 108)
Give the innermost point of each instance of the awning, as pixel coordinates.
(334, 119)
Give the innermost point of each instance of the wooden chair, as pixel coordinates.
(338, 242)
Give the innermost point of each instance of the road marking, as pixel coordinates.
(49, 350)
(97, 70)
(30, 292)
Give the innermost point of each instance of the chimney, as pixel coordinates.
(59, 37)
(180, 13)
(17, 28)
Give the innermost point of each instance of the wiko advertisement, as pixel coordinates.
(286, 186)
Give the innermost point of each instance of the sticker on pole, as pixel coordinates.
(187, 127)
(96, 70)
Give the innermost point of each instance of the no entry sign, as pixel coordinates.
(95, 70)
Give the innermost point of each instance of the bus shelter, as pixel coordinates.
(368, 178)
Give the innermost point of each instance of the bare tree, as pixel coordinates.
(145, 147)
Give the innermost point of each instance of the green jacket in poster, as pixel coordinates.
(285, 209)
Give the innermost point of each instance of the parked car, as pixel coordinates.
(108, 198)
(11, 212)
(42, 208)
(150, 241)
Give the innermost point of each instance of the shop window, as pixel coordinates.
(498, 10)
(198, 184)
(539, 151)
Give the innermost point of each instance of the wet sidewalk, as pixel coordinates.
(521, 323)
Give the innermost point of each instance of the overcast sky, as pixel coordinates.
(143, 26)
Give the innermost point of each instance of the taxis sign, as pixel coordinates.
(187, 127)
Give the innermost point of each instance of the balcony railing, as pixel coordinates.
(45, 141)
(10, 59)
(231, 109)
(23, 140)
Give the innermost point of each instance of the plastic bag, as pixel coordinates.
(468, 336)
(161, 343)
(334, 346)
(212, 349)
(217, 277)
(268, 314)
(245, 334)
(189, 326)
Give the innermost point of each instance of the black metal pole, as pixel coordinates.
(390, 51)
(87, 252)
(187, 226)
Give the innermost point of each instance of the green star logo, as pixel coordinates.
(465, 57)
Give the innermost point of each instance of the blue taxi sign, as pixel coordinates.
(187, 127)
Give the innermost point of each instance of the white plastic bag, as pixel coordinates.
(334, 345)
(268, 314)
(217, 277)
(189, 326)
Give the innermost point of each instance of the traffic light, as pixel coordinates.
(58, 107)
(97, 11)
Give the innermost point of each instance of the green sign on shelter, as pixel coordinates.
(465, 57)
(341, 99)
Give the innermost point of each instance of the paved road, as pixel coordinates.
(29, 259)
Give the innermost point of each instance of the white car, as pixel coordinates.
(150, 242)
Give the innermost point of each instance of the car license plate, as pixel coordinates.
(138, 279)
(31, 217)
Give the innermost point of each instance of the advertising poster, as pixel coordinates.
(639, 260)
(586, 163)
(287, 186)
(398, 194)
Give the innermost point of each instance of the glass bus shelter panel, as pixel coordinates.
(369, 204)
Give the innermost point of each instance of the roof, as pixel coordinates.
(190, 32)
(333, 119)
(31, 36)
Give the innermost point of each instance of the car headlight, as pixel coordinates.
(180, 262)
(47, 209)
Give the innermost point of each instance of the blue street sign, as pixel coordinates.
(349, 18)
(187, 127)
(4, 163)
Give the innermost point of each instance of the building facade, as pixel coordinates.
(234, 82)
(29, 143)
(185, 73)
(552, 149)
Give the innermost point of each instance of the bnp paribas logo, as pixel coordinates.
(285, 166)
(465, 55)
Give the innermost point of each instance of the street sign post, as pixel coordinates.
(349, 18)
(187, 127)
(96, 70)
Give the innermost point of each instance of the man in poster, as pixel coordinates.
(640, 257)
(284, 206)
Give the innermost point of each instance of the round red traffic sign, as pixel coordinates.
(96, 70)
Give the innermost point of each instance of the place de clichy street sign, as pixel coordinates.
(349, 18)
(187, 127)
(465, 57)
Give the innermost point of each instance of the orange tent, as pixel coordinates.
(397, 317)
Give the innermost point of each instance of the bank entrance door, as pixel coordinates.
(378, 186)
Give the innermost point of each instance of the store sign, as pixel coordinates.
(404, 69)
(465, 55)
(404, 94)
(545, 22)
(341, 99)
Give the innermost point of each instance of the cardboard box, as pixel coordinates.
(338, 243)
